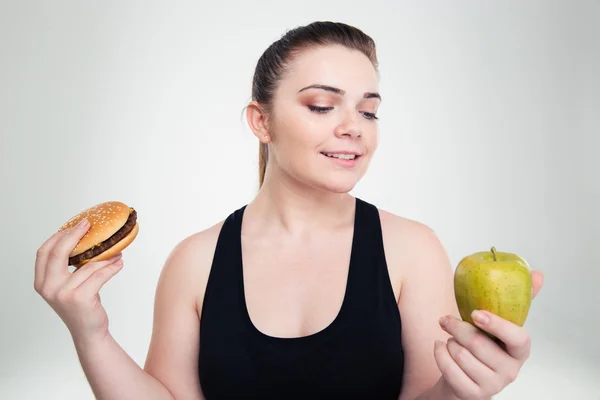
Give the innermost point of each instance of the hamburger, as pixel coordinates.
(113, 226)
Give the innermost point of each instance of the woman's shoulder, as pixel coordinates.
(190, 259)
(408, 241)
(197, 243)
(403, 229)
(194, 253)
(187, 266)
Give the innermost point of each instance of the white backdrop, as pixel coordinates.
(487, 135)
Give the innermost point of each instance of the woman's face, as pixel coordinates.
(325, 137)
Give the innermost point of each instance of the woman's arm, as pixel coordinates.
(427, 293)
(466, 363)
(174, 348)
(171, 371)
(112, 374)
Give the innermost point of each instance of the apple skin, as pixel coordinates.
(497, 282)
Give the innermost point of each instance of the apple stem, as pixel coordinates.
(494, 253)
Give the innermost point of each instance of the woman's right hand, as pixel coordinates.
(74, 296)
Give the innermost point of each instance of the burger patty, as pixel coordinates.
(108, 243)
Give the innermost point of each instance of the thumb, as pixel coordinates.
(537, 280)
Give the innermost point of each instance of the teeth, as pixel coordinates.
(342, 156)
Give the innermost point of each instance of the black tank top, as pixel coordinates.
(358, 356)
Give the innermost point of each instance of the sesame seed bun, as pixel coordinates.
(106, 233)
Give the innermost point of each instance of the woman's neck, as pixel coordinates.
(290, 207)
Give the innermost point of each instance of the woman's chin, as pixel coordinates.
(338, 185)
(333, 183)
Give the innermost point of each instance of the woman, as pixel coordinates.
(306, 292)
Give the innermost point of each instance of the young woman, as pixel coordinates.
(306, 292)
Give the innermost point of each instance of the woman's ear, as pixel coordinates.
(257, 121)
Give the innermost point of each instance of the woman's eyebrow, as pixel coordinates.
(367, 95)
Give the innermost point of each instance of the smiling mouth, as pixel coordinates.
(341, 156)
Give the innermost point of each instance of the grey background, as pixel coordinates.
(489, 134)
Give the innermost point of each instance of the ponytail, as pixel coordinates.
(263, 157)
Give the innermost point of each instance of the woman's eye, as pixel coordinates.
(319, 110)
(322, 110)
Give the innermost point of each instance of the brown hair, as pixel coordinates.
(272, 64)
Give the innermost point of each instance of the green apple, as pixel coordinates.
(496, 282)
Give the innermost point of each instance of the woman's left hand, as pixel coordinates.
(473, 366)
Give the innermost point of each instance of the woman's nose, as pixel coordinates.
(350, 126)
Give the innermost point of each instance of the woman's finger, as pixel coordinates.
(462, 384)
(515, 338)
(41, 259)
(84, 272)
(480, 373)
(478, 344)
(58, 257)
(92, 285)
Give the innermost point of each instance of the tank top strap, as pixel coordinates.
(369, 284)
(223, 286)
